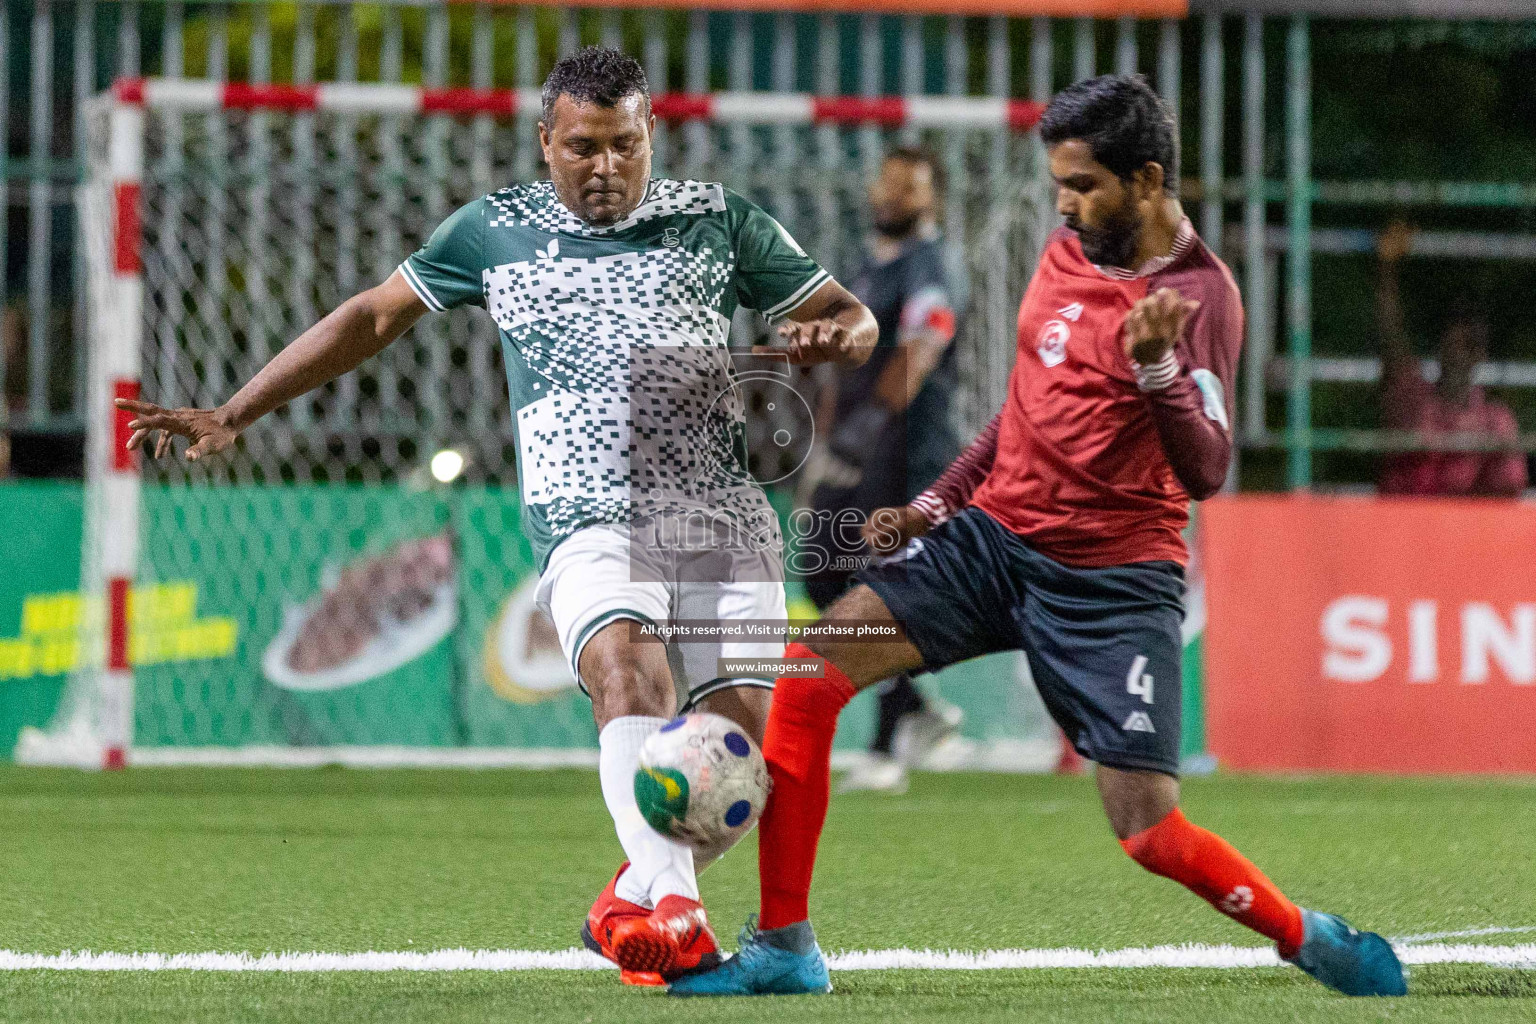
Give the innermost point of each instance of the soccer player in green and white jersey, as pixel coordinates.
(613, 293)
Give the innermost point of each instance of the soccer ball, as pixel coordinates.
(701, 781)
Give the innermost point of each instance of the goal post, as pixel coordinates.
(94, 724)
(318, 588)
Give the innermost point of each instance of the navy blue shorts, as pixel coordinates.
(1104, 645)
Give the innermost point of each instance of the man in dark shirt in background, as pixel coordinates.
(891, 433)
(1451, 405)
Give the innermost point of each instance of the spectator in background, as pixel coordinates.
(891, 433)
(1452, 405)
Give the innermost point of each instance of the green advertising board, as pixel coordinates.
(40, 550)
(325, 615)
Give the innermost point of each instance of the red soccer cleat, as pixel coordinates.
(597, 930)
(673, 940)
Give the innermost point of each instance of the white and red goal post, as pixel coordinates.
(121, 340)
(726, 107)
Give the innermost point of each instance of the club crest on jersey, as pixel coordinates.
(1052, 345)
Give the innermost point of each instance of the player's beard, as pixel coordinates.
(1114, 243)
(898, 227)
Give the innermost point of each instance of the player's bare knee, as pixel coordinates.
(1135, 800)
(860, 602)
(874, 650)
(626, 675)
(619, 690)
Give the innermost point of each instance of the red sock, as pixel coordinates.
(1212, 869)
(797, 745)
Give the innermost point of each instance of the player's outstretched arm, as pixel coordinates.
(357, 329)
(831, 326)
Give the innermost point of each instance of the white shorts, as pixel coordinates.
(611, 571)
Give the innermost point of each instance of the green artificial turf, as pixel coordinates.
(187, 860)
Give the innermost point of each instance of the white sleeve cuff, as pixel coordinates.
(932, 508)
(1157, 376)
(420, 288)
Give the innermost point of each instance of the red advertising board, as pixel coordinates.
(1393, 635)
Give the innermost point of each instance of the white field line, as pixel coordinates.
(1465, 933)
(1523, 956)
(1027, 756)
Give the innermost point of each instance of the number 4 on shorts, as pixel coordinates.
(1138, 683)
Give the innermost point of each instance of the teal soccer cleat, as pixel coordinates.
(1353, 962)
(759, 969)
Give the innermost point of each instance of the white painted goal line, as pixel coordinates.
(1465, 933)
(1024, 756)
(1519, 956)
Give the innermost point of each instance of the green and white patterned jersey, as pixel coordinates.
(615, 341)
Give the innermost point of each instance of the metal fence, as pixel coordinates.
(475, 44)
(56, 53)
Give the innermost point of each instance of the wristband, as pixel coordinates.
(931, 507)
(1158, 375)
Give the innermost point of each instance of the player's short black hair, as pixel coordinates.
(1125, 122)
(929, 159)
(595, 74)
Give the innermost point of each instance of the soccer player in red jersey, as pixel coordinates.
(1058, 532)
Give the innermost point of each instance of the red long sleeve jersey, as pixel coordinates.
(1088, 467)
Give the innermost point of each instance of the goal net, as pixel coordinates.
(353, 574)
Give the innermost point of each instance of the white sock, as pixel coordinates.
(658, 866)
